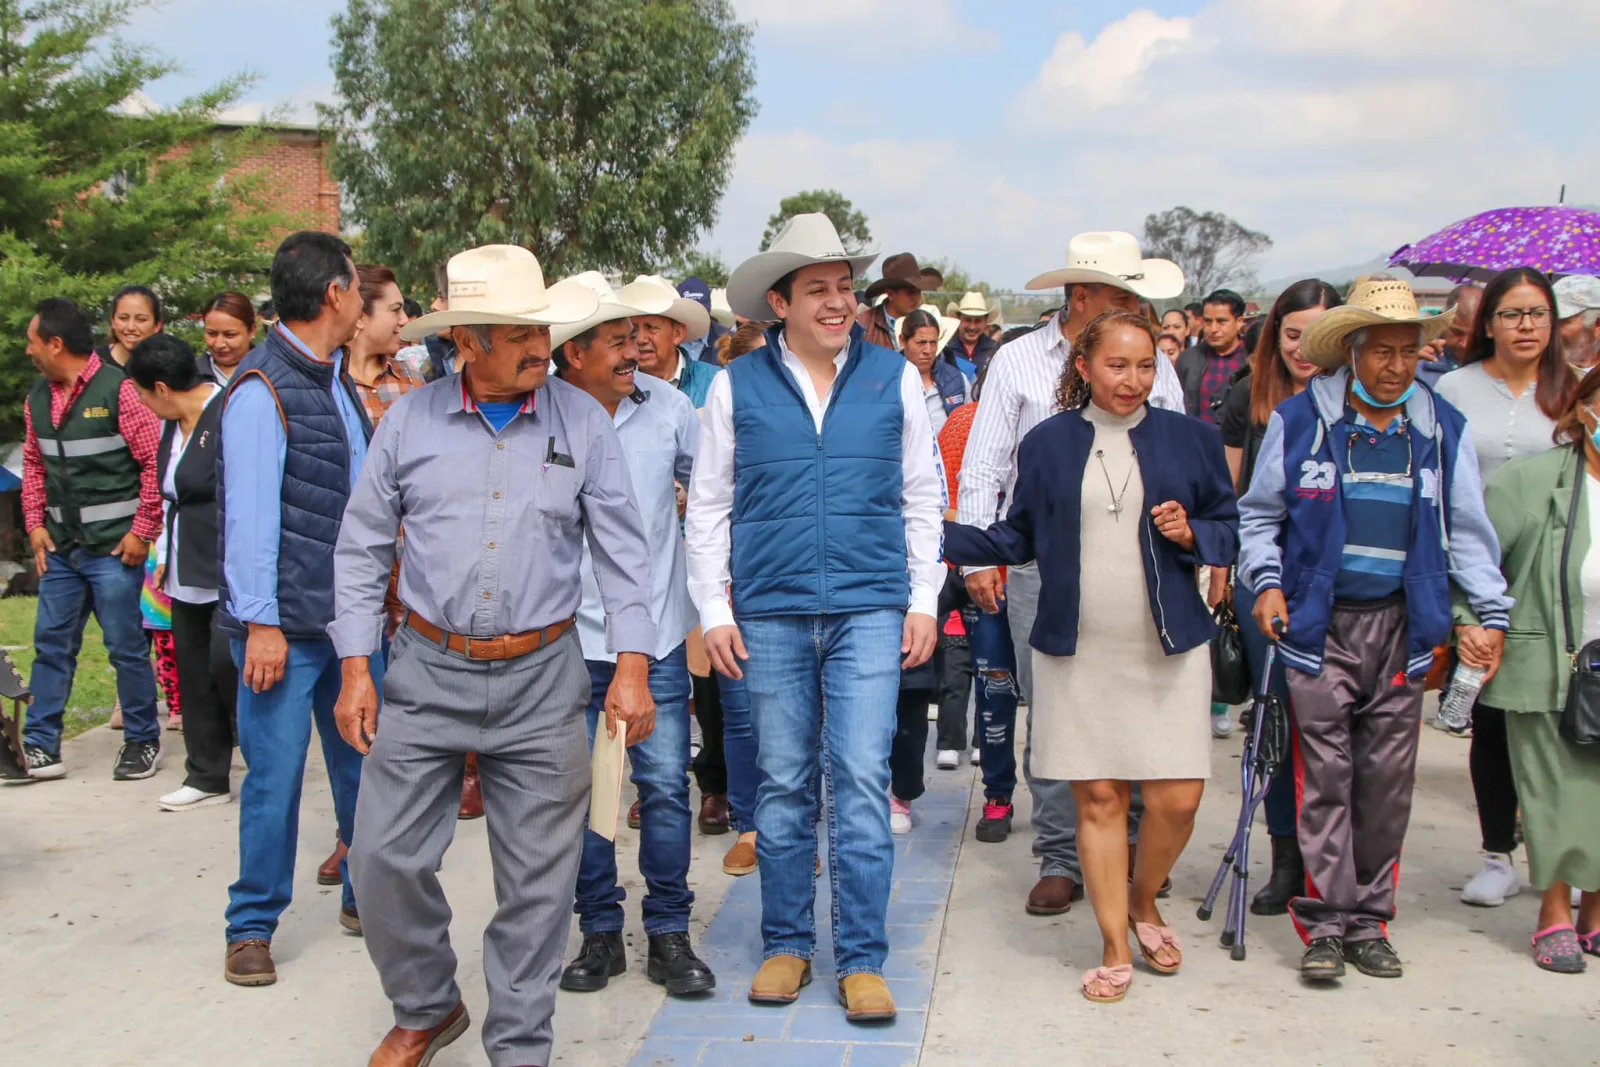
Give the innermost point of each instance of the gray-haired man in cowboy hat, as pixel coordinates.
(1104, 270)
(1364, 511)
(813, 535)
(498, 476)
(659, 339)
(901, 288)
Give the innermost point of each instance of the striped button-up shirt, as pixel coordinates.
(1019, 392)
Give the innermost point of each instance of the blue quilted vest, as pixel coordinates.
(316, 480)
(817, 526)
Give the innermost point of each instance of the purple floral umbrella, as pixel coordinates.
(1557, 240)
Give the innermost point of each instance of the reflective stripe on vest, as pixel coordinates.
(121, 509)
(84, 446)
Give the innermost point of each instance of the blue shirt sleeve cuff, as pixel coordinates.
(628, 634)
(356, 635)
(254, 609)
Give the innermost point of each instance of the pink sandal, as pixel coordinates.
(1116, 979)
(1153, 939)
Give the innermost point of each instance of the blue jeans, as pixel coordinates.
(274, 733)
(661, 773)
(824, 685)
(74, 583)
(989, 637)
(1279, 803)
(739, 752)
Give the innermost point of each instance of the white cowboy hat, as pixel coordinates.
(615, 304)
(976, 305)
(804, 240)
(501, 285)
(1378, 301)
(720, 311)
(691, 313)
(1113, 258)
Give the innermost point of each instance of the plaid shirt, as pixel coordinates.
(1219, 371)
(394, 381)
(138, 426)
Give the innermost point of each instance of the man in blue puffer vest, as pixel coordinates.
(292, 445)
(1365, 506)
(813, 539)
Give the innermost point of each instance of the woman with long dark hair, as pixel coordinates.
(1276, 373)
(1512, 386)
(135, 315)
(230, 332)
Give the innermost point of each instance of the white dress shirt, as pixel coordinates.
(708, 528)
(1019, 392)
(659, 430)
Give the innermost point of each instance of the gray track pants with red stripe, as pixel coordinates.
(1355, 766)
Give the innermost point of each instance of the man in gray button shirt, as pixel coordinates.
(497, 476)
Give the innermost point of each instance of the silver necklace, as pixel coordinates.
(1115, 507)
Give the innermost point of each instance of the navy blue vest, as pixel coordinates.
(817, 526)
(316, 487)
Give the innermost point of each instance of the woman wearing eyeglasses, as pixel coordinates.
(1512, 386)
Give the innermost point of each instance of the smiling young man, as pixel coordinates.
(813, 533)
(971, 342)
(1208, 367)
(659, 429)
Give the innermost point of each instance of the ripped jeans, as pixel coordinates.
(994, 674)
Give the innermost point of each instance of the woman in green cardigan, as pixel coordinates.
(1558, 782)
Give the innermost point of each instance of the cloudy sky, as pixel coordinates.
(989, 131)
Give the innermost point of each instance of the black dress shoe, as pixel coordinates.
(1375, 958)
(673, 964)
(601, 959)
(1323, 960)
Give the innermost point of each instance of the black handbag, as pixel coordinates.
(1230, 673)
(1580, 716)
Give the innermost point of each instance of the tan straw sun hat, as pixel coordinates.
(803, 241)
(1112, 257)
(1376, 301)
(502, 285)
(691, 313)
(720, 311)
(615, 304)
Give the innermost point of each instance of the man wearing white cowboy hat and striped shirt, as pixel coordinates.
(813, 533)
(1104, 270)
(499, 477)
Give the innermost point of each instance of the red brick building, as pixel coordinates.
(298, 182)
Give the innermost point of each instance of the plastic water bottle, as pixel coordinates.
(1455, 711)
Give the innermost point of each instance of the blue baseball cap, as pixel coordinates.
(697, 290)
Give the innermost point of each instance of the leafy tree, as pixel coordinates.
(1212, 248)
(96, 192)
(599, 135)
(851, 224)
(956, 278)
(709, 267)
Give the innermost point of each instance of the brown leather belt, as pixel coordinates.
(506, 646)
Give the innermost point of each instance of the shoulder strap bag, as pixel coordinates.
(1580, 716)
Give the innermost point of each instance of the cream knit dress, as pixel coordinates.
(1120, 708)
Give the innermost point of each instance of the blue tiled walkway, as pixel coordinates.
(726, 1030)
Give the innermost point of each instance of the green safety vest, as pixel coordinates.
(91, 481)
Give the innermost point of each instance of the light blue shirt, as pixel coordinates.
(693, 349)
(660, 431)
(257, 447)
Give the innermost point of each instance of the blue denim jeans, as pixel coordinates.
(989, 637)
(824, 685)
(661, 774)
(73, 584)
(1279, 804)
(274, 734)
(739, 752)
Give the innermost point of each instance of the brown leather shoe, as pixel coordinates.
(713, 814)
(1053, 895)
(249, 962)
(780, 980)
(471, 791)
(866, 998)
(633, 816)
(328, 873)
(416, 1048)
(350, 919)
(741, 859)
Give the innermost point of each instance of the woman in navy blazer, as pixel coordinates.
(1112, 494)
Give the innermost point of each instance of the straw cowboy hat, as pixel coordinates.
(1113, 258)
(976, 305)
(720, 311)
(682, 309)
(1379, 301)
(804, 240)
(502, 285)
(901, 271)
(615, 304)
(947, 324)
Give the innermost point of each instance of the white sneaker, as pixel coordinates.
(1221, 725)
(899, 816)
(977, 758)
(949, 759)
(188, 798)
(933, 713)
(1491, 886)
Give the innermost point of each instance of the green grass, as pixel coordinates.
(94, 687)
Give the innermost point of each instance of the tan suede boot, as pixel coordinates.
(866, 998)
(780, 980)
